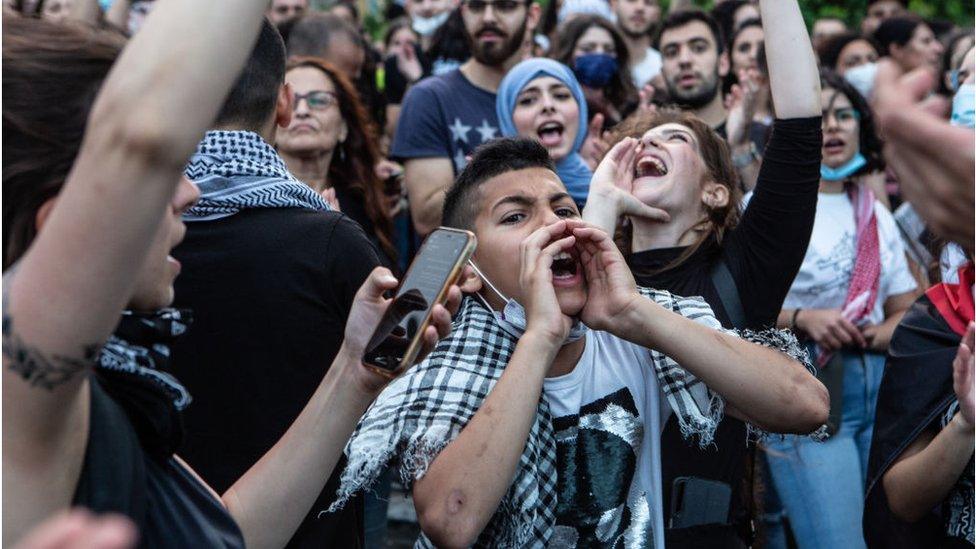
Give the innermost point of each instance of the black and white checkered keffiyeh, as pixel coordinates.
(238, 170)
(421, 412)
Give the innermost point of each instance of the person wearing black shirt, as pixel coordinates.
(91, 411)
(742, 268)
(270, 274)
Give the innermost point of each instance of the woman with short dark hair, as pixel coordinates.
(910, 42)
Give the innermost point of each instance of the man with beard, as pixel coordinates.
(694, 64)
(636, 20)
(445, 117)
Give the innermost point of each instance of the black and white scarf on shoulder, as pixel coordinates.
(421, 412)
(238, 170)
(133, 367)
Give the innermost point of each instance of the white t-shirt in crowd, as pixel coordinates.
(826, 271)
(608, 417)
(643, 72)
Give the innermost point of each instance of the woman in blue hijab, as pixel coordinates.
(541, 98)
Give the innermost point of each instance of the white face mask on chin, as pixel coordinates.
(425, 26)
(512, 317)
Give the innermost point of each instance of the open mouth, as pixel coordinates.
(650, 166)
(564, 266)
(551, 134)
(834, 146)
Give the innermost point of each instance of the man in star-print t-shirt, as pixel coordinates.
(444, 116)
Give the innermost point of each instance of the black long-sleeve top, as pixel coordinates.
(763, 254)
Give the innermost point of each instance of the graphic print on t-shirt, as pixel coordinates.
(836, 267)
(445, 116)
(596, 458)
(459, 136)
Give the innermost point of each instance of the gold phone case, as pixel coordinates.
(417, 343)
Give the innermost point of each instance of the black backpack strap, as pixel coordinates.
(728, 293)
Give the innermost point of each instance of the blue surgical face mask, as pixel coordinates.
(841, 173)
(595, 70)
(512, 317)
(963, 106)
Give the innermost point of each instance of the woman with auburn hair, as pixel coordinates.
(741, 263)
(331, 144)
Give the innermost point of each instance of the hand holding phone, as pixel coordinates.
(398, 339)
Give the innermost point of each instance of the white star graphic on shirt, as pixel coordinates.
(486, 130)
(459, 131)
(460, 161)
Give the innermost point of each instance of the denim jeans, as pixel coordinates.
(376, 504)
(821, 484)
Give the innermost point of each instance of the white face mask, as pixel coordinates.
(512, 318)
(862, 78)
(425, 26)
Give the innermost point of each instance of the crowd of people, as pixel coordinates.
(722, 294)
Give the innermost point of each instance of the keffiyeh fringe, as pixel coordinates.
(785, 342)
(425, 409)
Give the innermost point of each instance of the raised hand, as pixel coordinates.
(408, 64)
(542, 311)
(79, 529)
(595, 145)
(646, 104)
(933, 160)
(741, 104)
(612, 187)
(963, 378)
(611, 290)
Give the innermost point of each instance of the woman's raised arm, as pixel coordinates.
(72, 283)
(793, 76)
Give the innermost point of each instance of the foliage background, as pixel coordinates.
(959, 12)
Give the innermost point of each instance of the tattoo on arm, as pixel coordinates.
(37, 368)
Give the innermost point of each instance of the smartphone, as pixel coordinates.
(698, 501)
(398, 338)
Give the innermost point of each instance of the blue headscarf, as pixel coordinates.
(572, 170)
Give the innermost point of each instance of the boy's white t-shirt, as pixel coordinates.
(826, 271)
(608, 416)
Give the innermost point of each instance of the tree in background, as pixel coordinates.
(959, 12)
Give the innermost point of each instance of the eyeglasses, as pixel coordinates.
(501, 6)
(318, 100)
(844, 117)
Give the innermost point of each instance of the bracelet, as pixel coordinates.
(796, 313)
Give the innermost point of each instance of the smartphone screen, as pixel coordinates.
(397, 338)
